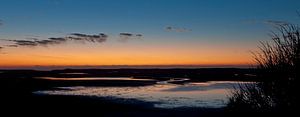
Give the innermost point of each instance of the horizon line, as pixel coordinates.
(57, 67)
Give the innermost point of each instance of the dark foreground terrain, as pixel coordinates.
(16, 88)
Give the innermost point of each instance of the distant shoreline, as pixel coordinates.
(43, 68)
(198, 74)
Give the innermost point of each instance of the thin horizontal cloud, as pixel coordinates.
(33, 41)
(24, 42)
(124, 37)
(12, 45)
(51, 41)
(99, 38)
(177, 29)
(269, 22)
(272, 22)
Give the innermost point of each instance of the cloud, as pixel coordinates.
(24, 42)
(51, 41)
(33, 41)
(274, 22)
(12, 45)
(177, 29)
(269, 22)
(124, 37)
(90, 38)
(99, 38)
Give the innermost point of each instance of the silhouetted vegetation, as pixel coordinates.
(278, 69)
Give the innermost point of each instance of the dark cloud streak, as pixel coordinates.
(24, 42)
(177, 29)
(124, 37)
(100, 38)
(90, 38)
(12, 45)
(269, 22)
(73, 37)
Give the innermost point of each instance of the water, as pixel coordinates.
(163, 94)
(95, 79)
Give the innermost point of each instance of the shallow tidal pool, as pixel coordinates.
(213, 94)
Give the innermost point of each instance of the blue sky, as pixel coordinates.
(204, 17)
(211, 21)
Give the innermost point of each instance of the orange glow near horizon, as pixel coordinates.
(127, 54)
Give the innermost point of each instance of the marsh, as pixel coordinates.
(163, 94)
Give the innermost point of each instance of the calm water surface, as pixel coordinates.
(163, 94)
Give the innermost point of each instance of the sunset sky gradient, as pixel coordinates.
(139, 32)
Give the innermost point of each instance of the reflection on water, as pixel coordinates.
(95, 78)
(74, 73)
(194, 94)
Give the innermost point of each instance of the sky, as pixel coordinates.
(137, 32)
